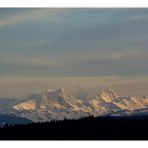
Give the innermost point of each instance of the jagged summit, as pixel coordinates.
(51, 104)
(50, 90)
(62, 90)
(109, 95)
(109, 90)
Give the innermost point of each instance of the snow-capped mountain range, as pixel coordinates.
(60, 104)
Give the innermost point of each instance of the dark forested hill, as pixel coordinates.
(12, 120)
(101, 128)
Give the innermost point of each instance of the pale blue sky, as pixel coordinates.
(73, 42)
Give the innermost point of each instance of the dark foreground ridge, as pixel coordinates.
(90, 128)
(11, 119)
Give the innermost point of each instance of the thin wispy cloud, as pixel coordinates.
(28, 15)
(138, 17)
(37, 43)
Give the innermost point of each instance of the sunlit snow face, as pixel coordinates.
(52, 48)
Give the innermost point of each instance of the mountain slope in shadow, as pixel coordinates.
(7, 119)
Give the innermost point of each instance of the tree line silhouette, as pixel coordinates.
(89, 128)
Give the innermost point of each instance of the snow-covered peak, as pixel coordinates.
(61, 90)
(109, 95)
(54, 92)
(59, 104)
(50, 90)
(109, 92)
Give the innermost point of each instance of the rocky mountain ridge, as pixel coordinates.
(60, 104)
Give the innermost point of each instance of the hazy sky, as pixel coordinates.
(90, 48)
